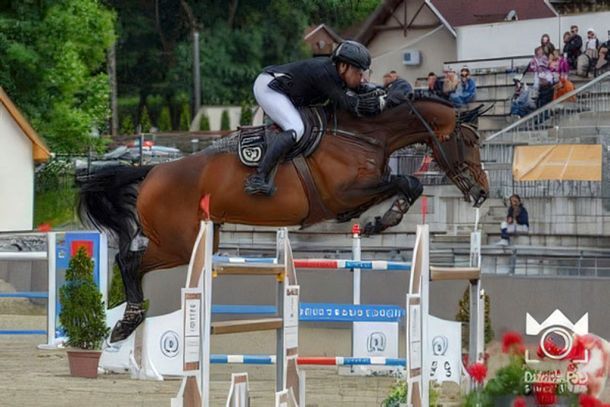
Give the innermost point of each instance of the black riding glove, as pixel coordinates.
(371, 103)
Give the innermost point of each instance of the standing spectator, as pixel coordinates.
(435, 85)
(396, 87)
(592, 44)
(450, 83)
(466, 90)
(523, 101)
(546, 45)
(573, 47)
(517, 220)
(543, 78)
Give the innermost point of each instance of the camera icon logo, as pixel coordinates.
(556, 335)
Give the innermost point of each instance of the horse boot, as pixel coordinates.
(262, 181)
(133, 316)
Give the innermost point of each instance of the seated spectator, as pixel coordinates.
(435, 85)
(523, 101)
(558, 66)
(562, 87)
(450, 83)
(517, 221)
(466, 90)
(546, 45)
(573, 47)
(396, 87)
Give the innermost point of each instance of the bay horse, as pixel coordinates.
(155, 211)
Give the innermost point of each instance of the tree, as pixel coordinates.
(204, 123)
(127, 127)
(245, 119)
(53, 56)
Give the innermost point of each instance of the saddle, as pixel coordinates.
(253, 140)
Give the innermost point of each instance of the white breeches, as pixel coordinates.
(278, 106)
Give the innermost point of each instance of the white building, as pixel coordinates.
(20, 149)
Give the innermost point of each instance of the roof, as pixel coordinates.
(326, 28)
(469, 12)
(40, 151)
(378, 17)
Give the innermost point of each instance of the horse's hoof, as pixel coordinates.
(373, 228)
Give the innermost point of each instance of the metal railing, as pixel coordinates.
(579, 117)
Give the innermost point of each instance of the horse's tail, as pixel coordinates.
(107, 201)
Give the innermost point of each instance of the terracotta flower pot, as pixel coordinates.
(84, 363)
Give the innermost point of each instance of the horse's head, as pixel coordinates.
(460, 158)
(456, 147)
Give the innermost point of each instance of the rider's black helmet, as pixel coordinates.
(353, 53)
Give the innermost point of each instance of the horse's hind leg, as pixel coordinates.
(129, 264)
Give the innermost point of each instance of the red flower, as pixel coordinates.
(588, 401)
(579, 349)
(478, 372)
(545, 393)
(511, 341)
(519, 402)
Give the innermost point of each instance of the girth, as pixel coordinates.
(318, 211)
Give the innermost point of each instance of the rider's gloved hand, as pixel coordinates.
(371, 103)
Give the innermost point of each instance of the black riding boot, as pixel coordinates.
(262, 182)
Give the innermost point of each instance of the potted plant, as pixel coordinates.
(82, 316)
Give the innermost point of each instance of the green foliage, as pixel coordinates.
(509, 380)
(145, 123)
(116, 294)
(204, 123)
(55, 195)
(245, 119)
(82, 309)
(127, 127)
(53, 55)
(225, 121)
(463, 315)
(165, 120)
(185, 117)
(398, 395)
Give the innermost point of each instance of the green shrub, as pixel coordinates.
(463, 315)
(225, 121)
(154, 103)
(165, 120)
(185, 117)
(204, 123)
(127, 127)
(82, 310)
(116, 293)
(145, 123)
(245, 119)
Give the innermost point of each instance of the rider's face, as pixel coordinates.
(351, 75)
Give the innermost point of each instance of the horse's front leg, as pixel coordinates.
(408, 189)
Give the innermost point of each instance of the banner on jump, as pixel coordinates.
(350, 313)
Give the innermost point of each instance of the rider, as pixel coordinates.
(281, 89)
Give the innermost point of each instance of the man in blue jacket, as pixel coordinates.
(466, 90)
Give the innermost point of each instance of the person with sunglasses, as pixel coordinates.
(466, 90)
(573, 46)
(280, 89)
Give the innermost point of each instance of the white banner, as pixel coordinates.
(445, 347)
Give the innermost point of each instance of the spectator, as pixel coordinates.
(558, 66)
(546, 45)
(435, 85)
(604, 56)
(562, 87)
(466, 90)
(523, 99)
(586, 61)
(396, 87)
(517, 220)
(573, 47)
(450, 83)
(592, 44)
(543, 78)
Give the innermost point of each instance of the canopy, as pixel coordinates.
(562, 162)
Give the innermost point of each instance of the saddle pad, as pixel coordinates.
(252, 145)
